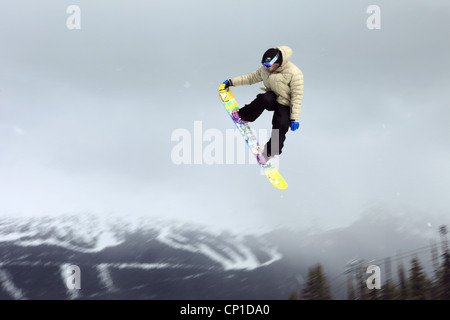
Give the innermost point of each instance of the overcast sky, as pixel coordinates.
(87, 116)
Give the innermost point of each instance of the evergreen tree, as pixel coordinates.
(361, 283)
(316, 287)
(372, 294)
(418, 285)
(293, 295)
(351, 294)
(388, 291)
(403, 287)
(444, 281)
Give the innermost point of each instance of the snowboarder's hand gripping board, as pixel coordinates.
(250, 137)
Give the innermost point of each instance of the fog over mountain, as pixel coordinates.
(153, 259)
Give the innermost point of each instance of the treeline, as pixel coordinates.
(411, 283)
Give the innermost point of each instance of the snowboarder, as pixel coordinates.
(283, 83)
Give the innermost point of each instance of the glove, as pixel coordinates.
(227, 83)
(294, 125)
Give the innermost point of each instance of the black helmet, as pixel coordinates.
(272, 56)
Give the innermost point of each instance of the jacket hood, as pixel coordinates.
(286, 53)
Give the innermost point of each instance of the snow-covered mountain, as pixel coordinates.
(117, 259)
(124, 258)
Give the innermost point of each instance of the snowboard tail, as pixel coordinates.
(249, 136)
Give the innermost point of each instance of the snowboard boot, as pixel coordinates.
(237, 118)
(264, 158)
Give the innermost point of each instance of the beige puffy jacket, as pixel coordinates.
(286, 82)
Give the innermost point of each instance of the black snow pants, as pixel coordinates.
(280, 120)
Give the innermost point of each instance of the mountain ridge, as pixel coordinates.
(167, 259)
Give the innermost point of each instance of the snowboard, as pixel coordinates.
(249, 136)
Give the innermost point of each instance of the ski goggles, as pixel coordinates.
(270, 63)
